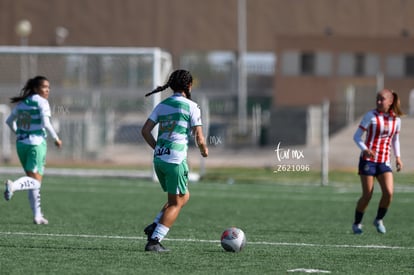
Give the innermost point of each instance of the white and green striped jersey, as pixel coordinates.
(28, 116)
(175, 116)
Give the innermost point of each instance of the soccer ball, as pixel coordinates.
(233, 239)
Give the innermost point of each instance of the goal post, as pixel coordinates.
(97, 98)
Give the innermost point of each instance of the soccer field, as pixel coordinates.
(96, 227)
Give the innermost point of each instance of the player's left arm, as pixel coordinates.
(197, 130)
(395, 143)
(200, 140)
(45, 115)
(49, 127)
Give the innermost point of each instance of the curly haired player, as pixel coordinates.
(178, 117)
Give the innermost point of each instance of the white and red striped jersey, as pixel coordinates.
(381, 132)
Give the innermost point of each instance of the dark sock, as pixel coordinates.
(381, 213)
(358, 217)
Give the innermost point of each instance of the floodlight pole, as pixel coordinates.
(241, 64)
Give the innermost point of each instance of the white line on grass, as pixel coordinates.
(204, 241)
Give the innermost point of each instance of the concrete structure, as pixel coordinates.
(314, 68)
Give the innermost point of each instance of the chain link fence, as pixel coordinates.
(97, 95)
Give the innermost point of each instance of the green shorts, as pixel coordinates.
(32, 157)
(173, 177)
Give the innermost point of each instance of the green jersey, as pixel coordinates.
(176, 116)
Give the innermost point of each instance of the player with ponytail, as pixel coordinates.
(179, 80)
(178, 117)
(381, 128)
(29, 120)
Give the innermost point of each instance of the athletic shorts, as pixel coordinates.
(32, 157)
(370, 168)
(172, 177)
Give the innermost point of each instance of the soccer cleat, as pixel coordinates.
(155, 246)
(8, 193)
(149, 230)
(379, 225)
(357, 228)
(40, 220)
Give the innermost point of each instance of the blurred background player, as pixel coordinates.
(28, 120)
(382, 128)
(178, 117)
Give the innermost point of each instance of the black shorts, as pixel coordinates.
(369, 168)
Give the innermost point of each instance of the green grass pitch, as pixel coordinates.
(292, 226)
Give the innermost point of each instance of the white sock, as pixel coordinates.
(34, 200)
(160, 232)
(25, 183)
